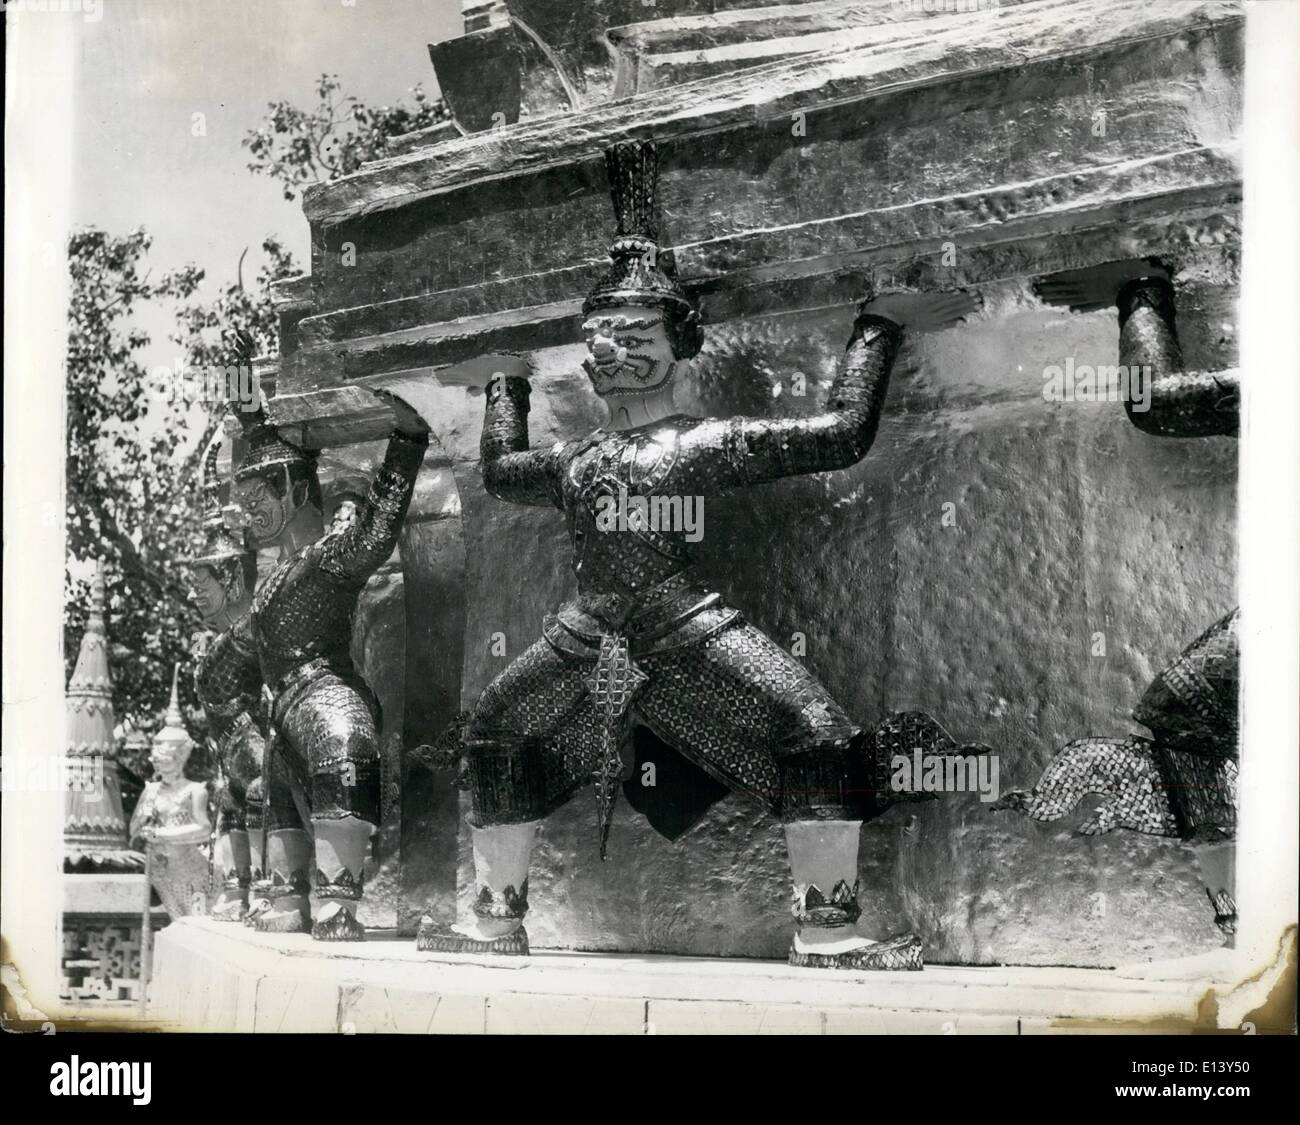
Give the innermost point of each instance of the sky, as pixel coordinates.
(146, 67)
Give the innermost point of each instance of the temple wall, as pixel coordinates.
(811, 177)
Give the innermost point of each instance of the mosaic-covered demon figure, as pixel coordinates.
(324, 763)
(645, 641)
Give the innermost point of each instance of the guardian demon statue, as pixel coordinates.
(222, 581)
(324, 764)
(645, 641)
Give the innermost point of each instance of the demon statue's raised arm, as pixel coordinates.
(1182, 403)
(645, 641)
(1182, 780)
(324, 767)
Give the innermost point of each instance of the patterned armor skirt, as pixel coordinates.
(733, 702)
(326, 721)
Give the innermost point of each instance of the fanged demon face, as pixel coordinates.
(264, 504)
(628, 351)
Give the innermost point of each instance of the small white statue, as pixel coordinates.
(173, 821)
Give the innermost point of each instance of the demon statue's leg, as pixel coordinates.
(241, 752)
(822, 792)
(751, 715)
(1203, 792)
(501, 856)
(1218, 872)
(234, 860)
(231, 854)
(506, 779)
(282, 904)
(254, 812)
(530, 745)
(278, 899)
(341, 844)
(824, 867)
(328, 722)
(508, 805)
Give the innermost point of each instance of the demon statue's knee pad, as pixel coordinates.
(254, 806)
(346, 783)
(232, 813)
(332, 728)
(827, 782)
(507, 779)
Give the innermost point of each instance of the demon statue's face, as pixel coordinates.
(219, 589)
(629, 350)
(267, 502)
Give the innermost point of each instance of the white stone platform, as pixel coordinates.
(214, 976)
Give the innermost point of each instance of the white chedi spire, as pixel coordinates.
(90, 691)
(94, 824)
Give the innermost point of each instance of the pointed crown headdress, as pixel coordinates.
(220, 544)
(637, 275)
(173, 734)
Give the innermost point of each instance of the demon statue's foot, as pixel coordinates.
(899, 953)
(435, 938)
(279, 916)
(1123, 772)
(337, 923)
(259, 899)
(231, 906)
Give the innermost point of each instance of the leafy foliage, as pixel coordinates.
(300, 147)
(238, 320)
(127, 471)
(135, 439)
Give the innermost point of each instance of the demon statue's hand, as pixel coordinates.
(1096, 287)
(406, 418)
(923, 311)
(477, 373)
(1123, 772)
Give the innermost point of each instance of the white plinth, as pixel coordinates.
(215, 976)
